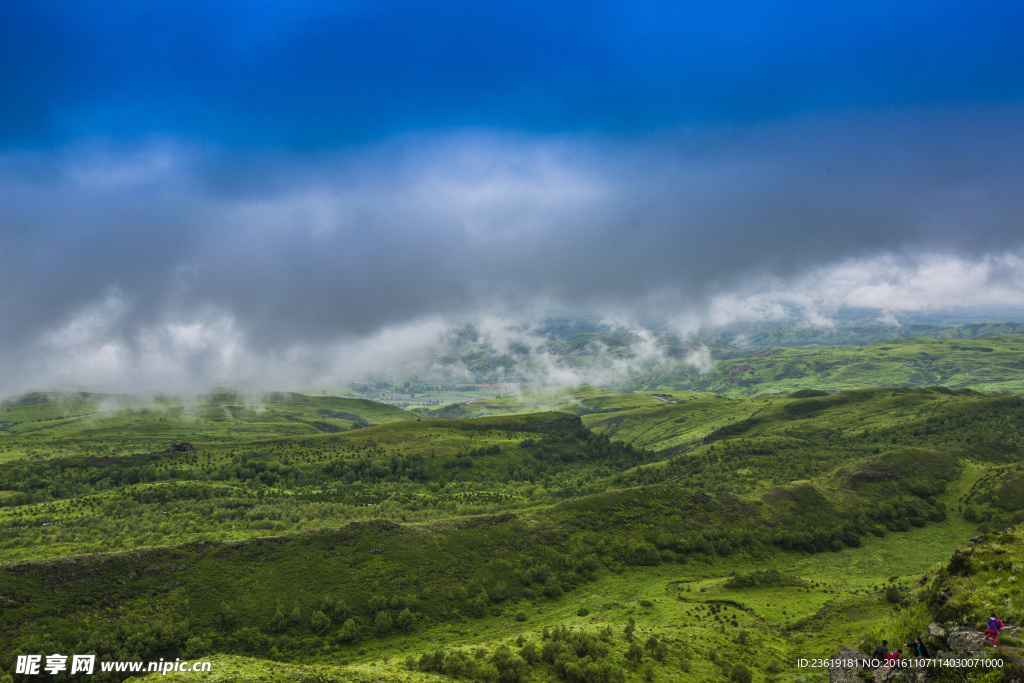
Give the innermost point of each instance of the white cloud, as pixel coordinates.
(165, 265)
(700, 360)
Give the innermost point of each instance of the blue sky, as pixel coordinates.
(323, 75)
(295, 183)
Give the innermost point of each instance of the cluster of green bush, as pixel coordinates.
(574, 656)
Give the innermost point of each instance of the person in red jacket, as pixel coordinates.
(994, 627)
(894, 659)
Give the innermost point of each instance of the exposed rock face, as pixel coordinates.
(847, 666)
(962, 640)
(181, 447)
(936, 631)
(841, 668)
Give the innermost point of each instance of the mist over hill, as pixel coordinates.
(561, 352)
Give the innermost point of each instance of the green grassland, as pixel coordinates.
(851, 332)
(770, 360)
(991, 365)
(681, 536)
(48, 425)
(404, 471)
(763, 367)
(467, 362)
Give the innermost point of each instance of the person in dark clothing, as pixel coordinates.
(882, 651)
(917, 648)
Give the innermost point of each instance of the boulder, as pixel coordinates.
(911, 675)
(936, 631)
(850, 666)
(841, 666)
(963, 640)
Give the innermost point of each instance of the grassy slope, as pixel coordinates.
(993, 364)
(831, 605)
(49, 425)
(806, 467)
(252, 578)
(405, 471)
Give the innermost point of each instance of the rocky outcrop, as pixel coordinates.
(852, 666)
(965, 641)
(845, 665)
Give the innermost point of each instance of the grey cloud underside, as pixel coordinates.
(341, 246)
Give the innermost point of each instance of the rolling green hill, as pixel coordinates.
(991, 365)
(48, 425)
(670, 537)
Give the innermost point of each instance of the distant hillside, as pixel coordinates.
(858, 334)
(454, 411)
(50, 424)
(991, 365)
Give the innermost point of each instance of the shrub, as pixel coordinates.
(959, 564)
(740, 674)
(341, 609)
(405, 620)
(643, 555)
(319, 622)
(382, 624)
(349, 631)
(376, 604)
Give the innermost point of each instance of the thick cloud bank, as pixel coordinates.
(169, 266)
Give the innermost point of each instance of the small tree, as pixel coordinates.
(405, 620)
(529, 653)
(741, 674)
(319, 622)
(478, 606)
(279, 619)
(376, 604)
(349, 631)
(227, 615)
(382, 624)
(341, 609)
